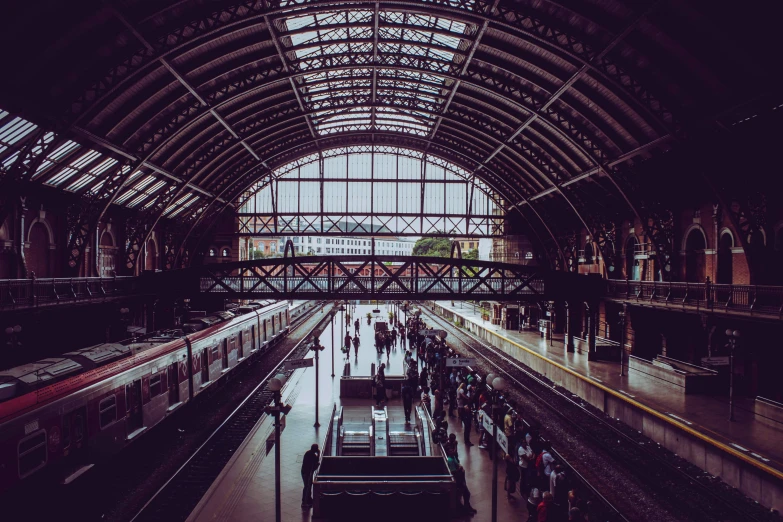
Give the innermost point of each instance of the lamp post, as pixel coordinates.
(621, 322)
(316, 348)
(497, 384)
(275, 385)
(734, 336)
(13, 336)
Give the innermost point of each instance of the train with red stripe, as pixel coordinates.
(61, 415)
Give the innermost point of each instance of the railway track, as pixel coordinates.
(179, 495)
(695, 496)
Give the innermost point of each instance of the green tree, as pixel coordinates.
(471, 254)
(432, 246)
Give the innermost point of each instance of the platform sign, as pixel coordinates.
(298, 363)
(503, 441)
(460, 362)
(715, 361)
(486, 422)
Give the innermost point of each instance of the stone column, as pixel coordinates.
(569, 332)
(592, 329)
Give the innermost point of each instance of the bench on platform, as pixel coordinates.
(676, 375)
(769, 412)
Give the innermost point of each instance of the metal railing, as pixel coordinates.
(754, 300)
(32, 293)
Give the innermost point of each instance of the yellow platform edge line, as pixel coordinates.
(655, 413)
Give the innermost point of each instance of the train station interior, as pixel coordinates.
(437, 260)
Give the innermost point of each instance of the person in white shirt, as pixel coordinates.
(557, 483)
(524, 458)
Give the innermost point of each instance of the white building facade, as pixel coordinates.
(349, 245)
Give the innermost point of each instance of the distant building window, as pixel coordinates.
(225, 252)
(309, 240)
(212, 252)
(318, 241)
(296, 240)
(319, 250)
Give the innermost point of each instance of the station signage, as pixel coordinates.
(460, 362)
(298, 363)
(715, 361)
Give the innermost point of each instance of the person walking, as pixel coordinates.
(356, 343)
(356, 326)
(309, 465)
(347, 342)
(407, 400)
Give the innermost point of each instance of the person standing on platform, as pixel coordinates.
(544, 509)
(407, 400)
(380, 385)
(512, 476)
(462, 491)
(356, 326)
(388, 342)
(309, 465)
(525, 462)
(356, 343)
(466, 416)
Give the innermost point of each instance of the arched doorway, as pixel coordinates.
(107, 255)
(632, 269)
(38, 252)
(151, 256)
(695, 244)
(725, 265)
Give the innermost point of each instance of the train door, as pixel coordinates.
(173, 380)
(74, 431)
(205, 366)
(240, 348)
(133, 405)
(225, 353)
(264, 330)
(252, 337)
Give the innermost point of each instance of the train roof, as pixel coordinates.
(99, 354)
(38, 374)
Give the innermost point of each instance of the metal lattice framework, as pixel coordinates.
(380, 277)
(370, 191)
(176, 108)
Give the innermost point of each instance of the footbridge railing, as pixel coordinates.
(386, 277)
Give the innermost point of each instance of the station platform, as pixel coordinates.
(245, 490)
(746, 453)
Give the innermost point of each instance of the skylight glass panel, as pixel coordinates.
(91, 175)
(404, 40)
(73, 168)
(54, 157)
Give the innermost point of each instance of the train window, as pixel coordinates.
(215, 355)
(78, 428)
(32, 453)
(66, 431)
(107, 411)
(156, 386)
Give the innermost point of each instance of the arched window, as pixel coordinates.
(38, 252)
(151, 256)
(588, 255)
(212, 252)
(725, 264)
(695, 268)
(225, 253)
(632, 269)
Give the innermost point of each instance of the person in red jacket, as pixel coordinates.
(544, 508)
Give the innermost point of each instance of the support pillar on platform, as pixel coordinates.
(592, 329)
(569, 334)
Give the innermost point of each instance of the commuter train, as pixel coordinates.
(63, 414)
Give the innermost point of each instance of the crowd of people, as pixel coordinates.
(531, 470)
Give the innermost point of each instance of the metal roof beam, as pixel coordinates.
(287, 69)
(570, 82)
(376, 16)
(182, 80)
(473, 48)
(103, 143)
